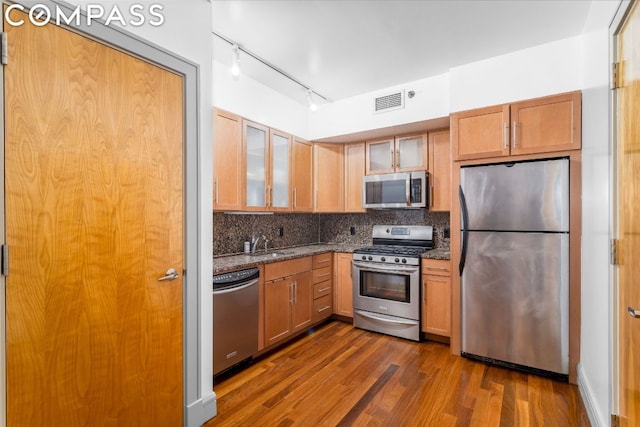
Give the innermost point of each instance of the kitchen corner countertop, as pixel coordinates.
(225, 263)
(443, 254)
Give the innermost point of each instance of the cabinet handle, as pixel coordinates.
(324, 308)
(295, 292)
(515, 134)
(322, 261)
(295, 198)
(435, 268)
(393, 158)
(324, 289)
(215, 183)
(431, 196)
(325, 274)
(398, 158)
(505, 136)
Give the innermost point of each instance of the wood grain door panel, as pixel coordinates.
(628, 149)
(227, 161)
(480, 133)
(94, 214)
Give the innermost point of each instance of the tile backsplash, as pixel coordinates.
(231, 230)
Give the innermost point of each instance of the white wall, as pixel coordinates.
(356, 114)
(257, 102)
(594, 375)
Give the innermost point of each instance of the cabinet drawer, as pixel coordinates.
(322, 260)
(322, 274)
(287, 268)
(436, 267)
(322, 289)
(322, 308)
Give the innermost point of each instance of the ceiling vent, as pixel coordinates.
(390, 102)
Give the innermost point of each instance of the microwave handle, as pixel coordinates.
(408, 189)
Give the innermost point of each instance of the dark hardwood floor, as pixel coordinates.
(342, 376)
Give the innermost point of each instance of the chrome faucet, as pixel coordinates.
(254, 243)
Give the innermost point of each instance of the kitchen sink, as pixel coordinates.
(272, 253)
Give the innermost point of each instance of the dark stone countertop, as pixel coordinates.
(224, 263)
(443, 254)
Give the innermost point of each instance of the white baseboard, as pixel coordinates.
(595, 417)
(201, 411)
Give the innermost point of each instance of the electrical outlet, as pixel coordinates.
(352, 231)
(281, 231)
(446, 233)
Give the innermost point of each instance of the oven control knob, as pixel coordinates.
(370, 258)
(397, 260)
(383, 259)
(364, 257)
(404, 261)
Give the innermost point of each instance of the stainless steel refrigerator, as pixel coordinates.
(514, 264)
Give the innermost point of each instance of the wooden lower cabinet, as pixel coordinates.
(343, 285)
(436, 297)
(288, 299)
(322, 287)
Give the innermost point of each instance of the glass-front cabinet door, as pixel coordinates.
(256, 139)
(278, 190)
(379, 156)
(399, 154)
(411, 153)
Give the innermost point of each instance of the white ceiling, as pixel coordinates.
(346, 48)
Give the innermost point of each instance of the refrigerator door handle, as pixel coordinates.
(465, 232)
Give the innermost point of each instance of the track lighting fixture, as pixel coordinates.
(235, 69)
(235, 61)
(312, 105)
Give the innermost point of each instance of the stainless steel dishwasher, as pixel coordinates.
(235, 318)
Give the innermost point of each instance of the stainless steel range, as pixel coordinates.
(386, 280)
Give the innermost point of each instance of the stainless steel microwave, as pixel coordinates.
(395, 190)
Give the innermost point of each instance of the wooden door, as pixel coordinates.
(227, 161)
(548, 124)
(301, 310)
(278, 295)
(302, 176)
(94, 216)
(343, 285)
(628, 272)
(480, 133)
(440, 171)
(329, 177)
(436, 317)
(354, 170)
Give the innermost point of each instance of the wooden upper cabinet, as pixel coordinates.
(267, 168)
(480, 133)
(541, 125)
(328, 177)
(255, 150)
(227, 161)
(302, 176)
(354, 159)
(279, 172)
(397, 154)
(440, 171)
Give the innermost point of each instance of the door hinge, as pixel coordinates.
(615, 252)
(4, 49)
(615, 75)
(4, 268)
(615, 420)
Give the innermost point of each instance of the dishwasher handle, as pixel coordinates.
(235, 287)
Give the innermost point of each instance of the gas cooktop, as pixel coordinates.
(391, 250)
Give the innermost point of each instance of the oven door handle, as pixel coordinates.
(385, 320)
(369, 267)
